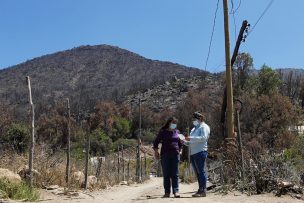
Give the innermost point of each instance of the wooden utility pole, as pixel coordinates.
(68, 166)
(240, 38)
(230, 124)
(31, 152)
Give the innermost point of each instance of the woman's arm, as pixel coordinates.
(203, 136)
(156, 142)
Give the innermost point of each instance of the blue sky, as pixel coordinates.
(170, 30)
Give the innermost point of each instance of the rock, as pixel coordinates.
(25, 171)
(78, 176)
(298, 196)
(9, 175)
(285, 184)
(123, 183)
(52, 187)
(92, 181)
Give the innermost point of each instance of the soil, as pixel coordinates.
(152, 191)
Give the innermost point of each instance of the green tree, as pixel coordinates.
(18, 136)
(268, 81)
(100, 143)
(121, 128)
(243, 65)
(266, 120)
(125, 142)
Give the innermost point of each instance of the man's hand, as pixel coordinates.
(156, 154)
(187, 138)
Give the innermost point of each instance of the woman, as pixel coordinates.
(198, 146)
(169, 154)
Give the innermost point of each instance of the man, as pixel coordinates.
(198, 146)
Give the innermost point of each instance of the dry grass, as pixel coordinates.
(51, 168)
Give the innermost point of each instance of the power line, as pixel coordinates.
(211, 38)
(233, 12)
(261, 16)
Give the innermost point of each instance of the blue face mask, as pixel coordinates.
(196, 123)
(173, 126)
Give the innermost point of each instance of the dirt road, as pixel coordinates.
(151, 192)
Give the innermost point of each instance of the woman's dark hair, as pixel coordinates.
(167, 124)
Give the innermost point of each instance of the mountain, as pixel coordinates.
(295, 72)
(86, 74)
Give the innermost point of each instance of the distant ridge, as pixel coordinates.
(86, 74)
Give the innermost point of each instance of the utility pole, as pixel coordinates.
(31, 152)
(241, 37)
(228, 73)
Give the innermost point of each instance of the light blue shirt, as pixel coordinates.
(199, 136)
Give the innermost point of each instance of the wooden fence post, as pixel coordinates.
(141, 168)
(129, 169)
(68, 145)
(145, 165)
(123, 163)
(87, 157)
(32, 147)
(118, 163)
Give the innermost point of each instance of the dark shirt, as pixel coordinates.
(171, 143)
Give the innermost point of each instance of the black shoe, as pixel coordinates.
(199, 194)
(166, 195)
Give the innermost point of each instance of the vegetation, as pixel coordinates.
(272, 107)
(17, 191)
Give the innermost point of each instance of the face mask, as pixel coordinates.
(195, 123)
(173, 126)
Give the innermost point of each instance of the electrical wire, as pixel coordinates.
(233, 12)
(261, 16)
(211, 38)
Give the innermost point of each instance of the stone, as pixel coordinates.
(52, 187)
(9, 175)
(92, 181)
(123, 183)
(78, 176)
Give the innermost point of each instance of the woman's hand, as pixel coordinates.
(187, 138)
(156, 154)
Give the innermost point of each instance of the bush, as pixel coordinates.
(184, 174)
(121, 128)
(100, 143)
(17, 136)
(148, 137)
(125, 142)
(17, 191)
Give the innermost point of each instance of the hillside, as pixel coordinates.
(86, 74)
(171, 94)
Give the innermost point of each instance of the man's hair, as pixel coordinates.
(198, 115)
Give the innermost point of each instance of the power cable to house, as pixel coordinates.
(261, 16)
(211, 38)
(233, 12)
